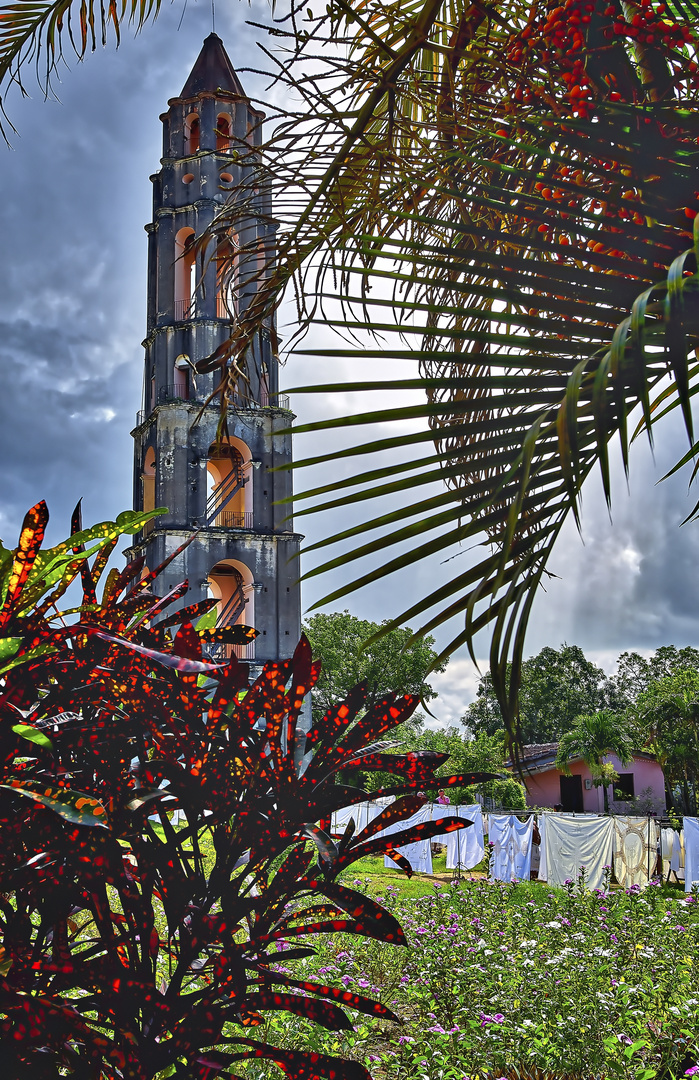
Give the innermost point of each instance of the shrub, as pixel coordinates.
(133, 948)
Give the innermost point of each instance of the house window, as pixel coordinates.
(623, 787)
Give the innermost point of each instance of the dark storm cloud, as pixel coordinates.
(76, 195)
(633, 583)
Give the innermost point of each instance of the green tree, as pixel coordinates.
(636, 673)
(484, 753)
(391, 663)
(557, 685)
(666, 714)
(592, 737)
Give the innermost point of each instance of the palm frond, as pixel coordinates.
(510, 212)
(33, 32)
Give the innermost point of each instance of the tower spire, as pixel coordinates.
(213, 72)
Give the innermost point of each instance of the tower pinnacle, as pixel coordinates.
(213, 72)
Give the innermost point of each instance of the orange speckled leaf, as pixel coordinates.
(30, 540)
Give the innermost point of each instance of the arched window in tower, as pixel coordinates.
(185, 274)
(229, 502)
(181, 377)
(148, 488)
(227, 278)
(223, 131)
(231, 583)
(192, 133)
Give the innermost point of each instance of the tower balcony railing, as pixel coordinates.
(267, 400)
(184, 310)
(221, 653)
(173, 392)
(222, 311)
(232, 519)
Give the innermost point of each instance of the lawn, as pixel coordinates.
(502, 980)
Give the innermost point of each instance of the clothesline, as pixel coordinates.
(569, 841)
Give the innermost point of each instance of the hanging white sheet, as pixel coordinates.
(635, 850)
(362, 813)
(672, 852)
(419, 854)
(465, 847)
(512, 847)
(541, 824)
(691, 853)
(572, 842)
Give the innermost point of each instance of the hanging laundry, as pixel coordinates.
(419, 854)
(691, 853)
(362, 813)
(465, 847)
(572, 842)
(635, 850)
(512, 847)
(541, 825)
(671, 852)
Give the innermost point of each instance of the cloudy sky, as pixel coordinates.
(72, 317)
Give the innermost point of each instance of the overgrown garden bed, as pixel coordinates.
(504, 980)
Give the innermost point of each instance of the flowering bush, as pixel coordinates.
(526, 981)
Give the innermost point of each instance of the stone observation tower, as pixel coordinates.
(246, 552)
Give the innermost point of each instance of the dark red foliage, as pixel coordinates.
(125, 951)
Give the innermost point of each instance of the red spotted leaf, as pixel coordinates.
(187, 642)
(321, 1012)
(338, 717)
(180, 663)
(308, 1066)
(400, 860)
(228, 635)
(345, 997)
(363, 907)
(400, 810)
(424, 831)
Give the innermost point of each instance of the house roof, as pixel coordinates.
(538, 757)
(212, 71)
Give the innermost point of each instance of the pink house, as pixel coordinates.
(642, 781)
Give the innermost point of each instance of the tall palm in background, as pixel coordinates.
(592, 738)
(503, 195)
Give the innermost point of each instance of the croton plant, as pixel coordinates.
(137, 943)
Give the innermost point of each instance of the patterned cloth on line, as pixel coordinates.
(635, 850)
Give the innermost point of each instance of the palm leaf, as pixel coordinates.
(517, 228)
(33, 32)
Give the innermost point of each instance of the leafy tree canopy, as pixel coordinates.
(557, 686)
(667, 713)
(635, 673)
(349, 655)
